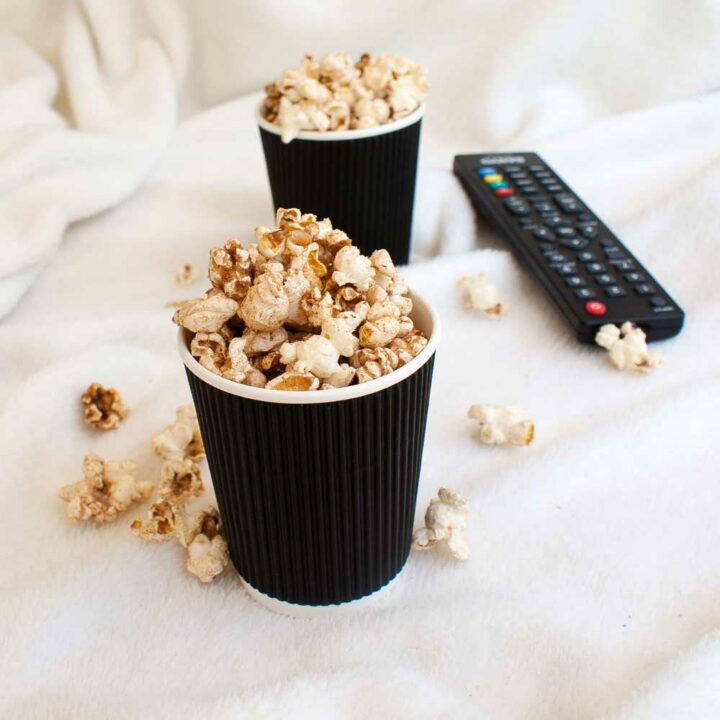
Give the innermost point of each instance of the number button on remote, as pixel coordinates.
(574, 281)
(595, 267)
(567, 268)
(543, 233)
(517, 206)
(567, 203)
(585, 293)
(605, 279)
(633, 278)
(645, 289)
(586, 257)
(574, 243)
(615, 291)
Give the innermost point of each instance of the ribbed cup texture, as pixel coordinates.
(366, 187)
(317, 500)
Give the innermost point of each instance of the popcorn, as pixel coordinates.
(283, 312)
(337, 94)
(481, 294)
(445, 521)
(107, 489)
(503, 424)
(352, 268)
(182, 439)
(180, 481)
(207, 549)
(230, 269)
(163, 518)
(206, 314)
(628, 348)
(104, 408)
(186, 274)
(374, 363)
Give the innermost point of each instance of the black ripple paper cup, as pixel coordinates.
(317, 490)
(363, 179)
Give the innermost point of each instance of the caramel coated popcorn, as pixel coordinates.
(336, 93)
(481, 294)
(206, 546)
(301, 309)
(445, 521)
(107, 489)
(182, 439)
(103, 407)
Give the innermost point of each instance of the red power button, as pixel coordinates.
(593, 307)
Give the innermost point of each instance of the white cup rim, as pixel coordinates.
(305, 397)
(333, 135)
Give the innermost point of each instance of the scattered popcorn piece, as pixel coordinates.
(107, 489)
(627, 347)
(186, 274)
(163, 520)
(104, 408)
(206, 314)
(445, 520)
(207, 549)
(481, 294)
(503, 424)
(180, 481)
(336, 94)
(182, 439)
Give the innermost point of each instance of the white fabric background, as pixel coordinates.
(593, 590)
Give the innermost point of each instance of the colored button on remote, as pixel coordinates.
(504, 192)
(482, 172)
(594, 307)
(497, 185)
(492, 178)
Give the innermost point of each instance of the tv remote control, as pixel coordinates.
(587, 272)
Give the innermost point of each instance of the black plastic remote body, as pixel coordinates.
(587, 272)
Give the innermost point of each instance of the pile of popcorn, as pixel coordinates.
(301, 309)
(337, 93)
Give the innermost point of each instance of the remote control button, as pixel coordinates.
(633, 278)
(556, 258)
(543, 175)
(588, 231)
(565, 232)
(546, 247)
(543, 206)
(645, 289)
(615, 291)
(483, 171)
(504, 192)
(517, 206)
(574, 243)
(614, 252)
(605, 279)
(585, 293)
(574, 281)
(556, 220)
(567, 203)
(548, 181)
(606, 242)
(529, 190)
(658, 301)
(595, 267)
(622, 265)
(567, 268)
(536, 168)
(492, 178)
(586, 257)
(501, 184)
(586, 217)
(554, 188)
(595, 308)
(542, 233)
(522, 182)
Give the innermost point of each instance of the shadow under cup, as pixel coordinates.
(317, 490)
(364, 180)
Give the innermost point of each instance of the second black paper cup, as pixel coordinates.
(363, 179)
(317, 490)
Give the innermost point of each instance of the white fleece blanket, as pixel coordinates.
(593, 586)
